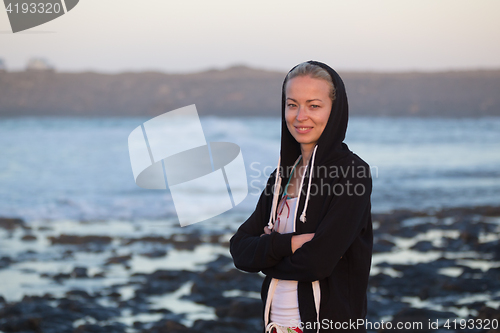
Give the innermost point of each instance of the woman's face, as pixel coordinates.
(307, 109)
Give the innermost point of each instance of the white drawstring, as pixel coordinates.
(303, 215)
(270, 294)
(277, 185)
(317, 299)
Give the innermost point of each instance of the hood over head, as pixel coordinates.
(329, 150)
(330, 146)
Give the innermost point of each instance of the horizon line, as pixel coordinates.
(251, 67)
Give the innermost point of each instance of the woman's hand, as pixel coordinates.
(299, 240)
(266, 231)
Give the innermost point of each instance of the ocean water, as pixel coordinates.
(79, 168)
(73, 176)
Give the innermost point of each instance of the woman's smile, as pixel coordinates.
(303, 130)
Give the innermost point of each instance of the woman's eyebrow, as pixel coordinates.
(308, 101)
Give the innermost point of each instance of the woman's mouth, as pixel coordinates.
(303, 130)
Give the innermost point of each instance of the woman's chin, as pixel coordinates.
(304, 141)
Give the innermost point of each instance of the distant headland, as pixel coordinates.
(241, 91)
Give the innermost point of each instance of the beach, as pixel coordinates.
(76, 276)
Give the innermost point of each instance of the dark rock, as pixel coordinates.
(185, 241)
(78, 294)
(407, 233)
(229, 326)
(5, 262)
(382, 245)
(390, 222)
(114, 294)
(118, 260)
(381, 307)
(12, 223)
(88, 308)
(80, 240)
(416, 320)
(220, 262)
(35, 314)
(147, 239)
(214, 239)
(470, 273)
(92, 328)
(493, 273)
(155, 254)
(209, 285)
(178, 241)
(240, 307)
(485, 312)
(45, 228)
(470, 234)
(48, 297)
(28, 237)
(423, 246)
(461, 211)
(426, 280)
(168, 326)
(384, 264)
(467, 285)
(163, 281)
(478, 305)
(29, 324)
(137, 304)
(492, 247)
(79, 272)
(424, 227)
(161, 310)
(454, 245)
(61, 276)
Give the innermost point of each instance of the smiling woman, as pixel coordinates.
(317, 269)
(309, 98)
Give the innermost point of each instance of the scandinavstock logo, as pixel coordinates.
(205, 180)
(26, 14)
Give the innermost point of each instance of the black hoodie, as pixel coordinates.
(335, 264)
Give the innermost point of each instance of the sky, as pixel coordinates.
(189, 36)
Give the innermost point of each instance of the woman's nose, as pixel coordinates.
(301, 114)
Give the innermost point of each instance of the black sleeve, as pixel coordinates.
(252, 252)
(316, 259)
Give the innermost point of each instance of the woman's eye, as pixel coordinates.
(315, 106)
(291, 105)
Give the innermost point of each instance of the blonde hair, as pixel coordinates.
(314, 71)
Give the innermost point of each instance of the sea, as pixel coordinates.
(79, 168)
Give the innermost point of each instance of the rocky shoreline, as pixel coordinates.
(441, 265)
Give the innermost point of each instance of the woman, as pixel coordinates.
(311, 231)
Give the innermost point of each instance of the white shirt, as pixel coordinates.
(285, 303)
